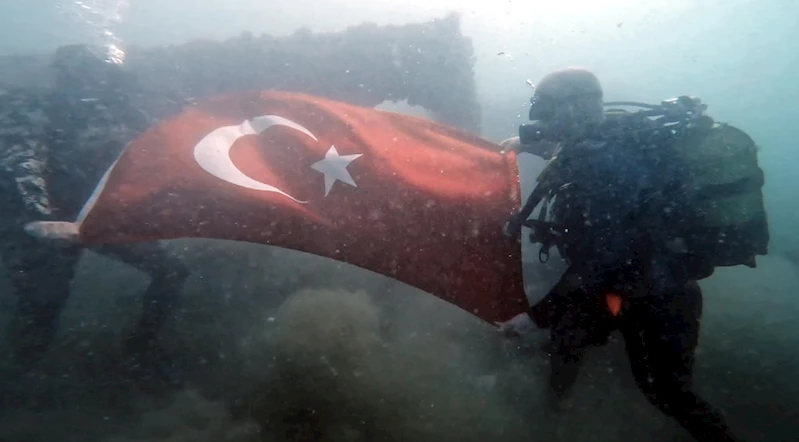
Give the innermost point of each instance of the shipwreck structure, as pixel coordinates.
(426, 64)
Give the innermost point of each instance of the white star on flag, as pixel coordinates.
(334, 167)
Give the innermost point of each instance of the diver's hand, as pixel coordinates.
(56, 233)
(516, 326)
(510, 145)
(512, 227)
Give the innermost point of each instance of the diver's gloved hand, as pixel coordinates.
(516, 326)
(512, 144)
(55, 233)
(512, 227)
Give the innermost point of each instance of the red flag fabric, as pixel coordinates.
(404, 197)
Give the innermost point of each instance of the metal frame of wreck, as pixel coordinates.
(428, 64)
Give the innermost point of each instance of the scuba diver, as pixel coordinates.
(627, 199)
(56, 145)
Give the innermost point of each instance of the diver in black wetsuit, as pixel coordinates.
(621, 223)
(55, 145)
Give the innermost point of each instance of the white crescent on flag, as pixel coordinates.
(212, 153)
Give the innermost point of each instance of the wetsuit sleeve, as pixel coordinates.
(23, 149)
(542, 149)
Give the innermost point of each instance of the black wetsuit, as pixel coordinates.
(661, 332)
(620, 215)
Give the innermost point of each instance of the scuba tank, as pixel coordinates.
(719, 162)
(727, 181)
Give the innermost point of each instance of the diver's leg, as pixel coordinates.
(40, 277)
(160, 301)
(546, 311)
(564, 365)
(579, 321)
(542, 311)
(661, 334)
(167, 275)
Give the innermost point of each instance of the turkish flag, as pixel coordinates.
(404, 197)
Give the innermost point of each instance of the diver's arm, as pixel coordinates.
(23, 149)
(510, 144)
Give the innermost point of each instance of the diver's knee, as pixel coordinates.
(31, 338)
(179, 273)
(172, 274)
